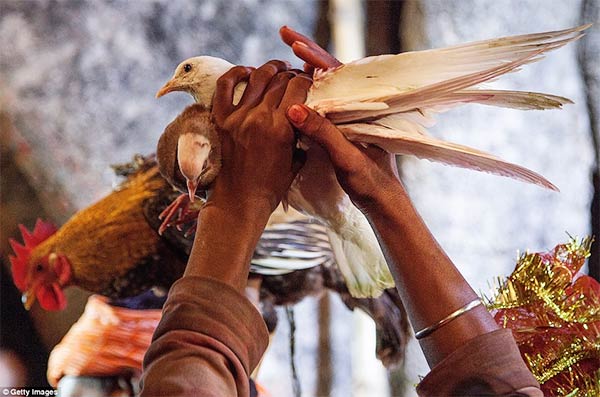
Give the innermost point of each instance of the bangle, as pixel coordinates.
(428, 330)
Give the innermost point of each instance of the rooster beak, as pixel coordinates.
(170, 86)
(28, 299)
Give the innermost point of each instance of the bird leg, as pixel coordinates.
(168, 213)
(177, 214)
(193, 217)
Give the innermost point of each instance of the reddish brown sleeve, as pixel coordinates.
(207, 343)
(487, 363)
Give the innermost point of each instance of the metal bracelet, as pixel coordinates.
(428, 330)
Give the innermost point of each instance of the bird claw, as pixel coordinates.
(168, 212)
(177, 214)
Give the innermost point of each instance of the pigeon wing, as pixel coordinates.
(376, 86)
(429, 148)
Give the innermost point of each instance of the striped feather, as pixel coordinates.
(287, 247)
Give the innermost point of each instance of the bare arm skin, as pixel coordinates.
(469, 355)
(428, 282)
(210, 337)
(259, 164)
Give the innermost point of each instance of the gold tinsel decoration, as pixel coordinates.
(554, 313)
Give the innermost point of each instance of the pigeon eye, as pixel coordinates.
(39, 267)
(187, 67)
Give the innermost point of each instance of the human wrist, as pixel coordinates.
(383, 199)
(242, 207)
(225, 240)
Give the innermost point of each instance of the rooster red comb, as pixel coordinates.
(40, 233)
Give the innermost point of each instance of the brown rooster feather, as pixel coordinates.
(107, 248)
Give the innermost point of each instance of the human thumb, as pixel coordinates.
(321, 130)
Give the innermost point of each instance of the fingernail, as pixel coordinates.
(297, 113)
(301, 44)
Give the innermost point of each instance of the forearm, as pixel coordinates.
(226, 237)
(208, 341)
(428, 282)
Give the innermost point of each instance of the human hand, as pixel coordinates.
(259, 160)
(317, 57)
(367, 174)
(310, 52)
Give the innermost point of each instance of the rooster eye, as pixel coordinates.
(187, 67)
(39, 268)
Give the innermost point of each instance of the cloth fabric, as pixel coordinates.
(207, 343)
(488, 362)
(211, 338)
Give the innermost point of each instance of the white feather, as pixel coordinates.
(425, 147)
(358, 255)
(388, 78)
(390, 101)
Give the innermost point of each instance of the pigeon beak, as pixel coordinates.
(192, 186)
(169, 86)
(28, 299)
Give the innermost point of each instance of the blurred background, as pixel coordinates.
(77, 85)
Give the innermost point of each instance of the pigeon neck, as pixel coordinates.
(203, 95)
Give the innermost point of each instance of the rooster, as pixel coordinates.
(386, 100)
(122, 255)
(108, 248)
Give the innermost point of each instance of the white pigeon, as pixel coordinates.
(389, 101)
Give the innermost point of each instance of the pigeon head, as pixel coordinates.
(189, 151)
(198, 77)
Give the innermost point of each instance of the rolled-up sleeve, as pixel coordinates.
(489, 362)
(207, 343)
